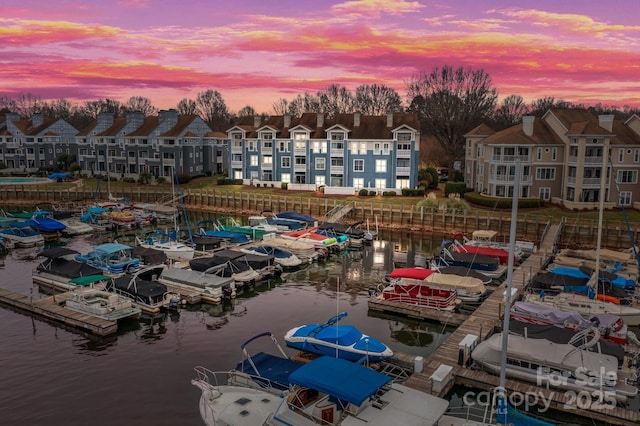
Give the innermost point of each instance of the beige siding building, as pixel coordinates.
(562, 156)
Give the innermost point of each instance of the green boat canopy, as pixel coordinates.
(89, 279)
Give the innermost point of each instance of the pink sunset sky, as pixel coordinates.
(256, 52)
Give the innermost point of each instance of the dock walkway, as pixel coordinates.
(482, 323)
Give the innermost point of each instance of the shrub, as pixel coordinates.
(389, 193)
(145, 178)
(501, 202)
(363, 192)
(433, 184)
(321, 189)
(284, 185)
(160, 179)
(373, 193)
(208, 173)
(128, 180)
(455, 188)
(183, 178)
(409, 192)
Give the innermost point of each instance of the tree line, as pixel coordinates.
(448, 101)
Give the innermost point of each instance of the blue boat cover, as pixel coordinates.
(56, 176)
(341, 379)
(112, 247)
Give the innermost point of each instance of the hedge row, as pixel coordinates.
(500, 202)
(455, 188)
(228, 181)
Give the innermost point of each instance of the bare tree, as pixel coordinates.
(280, 107)
(540, 106)
(335, 99)
(27, 104)
(377, 99)
(450, 103)
(187, 107)
(247, 111)
(510, 112)
(7, 104)
(212, 108)
(140, 104)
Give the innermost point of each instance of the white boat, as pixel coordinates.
(284, 258)
(173, 248)
(75, 227)
(101, 304)
(22, 237)
(324, 391)
(557, 365)
(586, 306)
(468, 289)
(212, 284)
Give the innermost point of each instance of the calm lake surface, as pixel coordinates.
(53, 375)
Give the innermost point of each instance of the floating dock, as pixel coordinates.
(448, 360)
(50, 307)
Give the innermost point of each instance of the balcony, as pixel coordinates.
(300, 151)
(511, 158)
(236, 164)
(337, 153)
(236, 149)
(403, 153)
(267, 166)
(593, 160)
(508, 178)
(403, 171)
(573, 159)
(337, 170)
(300, 168)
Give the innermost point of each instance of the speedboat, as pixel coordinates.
(169, 244)
(43, 222)
(343, 341)
(324, 391)
(22, 236)
(234, 263)
(284, 258)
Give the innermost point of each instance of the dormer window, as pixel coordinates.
(267, 136)
(337, 136)
(236, 136)
(404, 137)
(300, 136)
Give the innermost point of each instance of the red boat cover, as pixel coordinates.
(415, 273)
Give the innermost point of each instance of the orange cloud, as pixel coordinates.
(375, 8)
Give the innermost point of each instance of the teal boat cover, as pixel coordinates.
(349, 382)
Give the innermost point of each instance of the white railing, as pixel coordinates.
(299, 151)
(573, 159)
(593, 160)
(337, 170)
(403, 170)
(236, 164)
(404, 153)
(299, 167)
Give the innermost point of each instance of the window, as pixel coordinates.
(376, 149)
(636, 155)
(253, 160)
(404, 137)
(381, 183)
(545, 194)
(546, 173)
(300, 161)
(402, 183)
(285, 162)
(381, 166)
(300, 136)
(620, 155)
(554, 153)
(404, 147)
(267, 160)
(358, 165)
(385, 148)
(132, 154)
(358, 183)
(539, 154)
(321, 163)
(404, 162)
(284, 146)
(252, 145)
(337, 136)
(254, 175)
(480, 169)
(320, 147)
(267, 144)
(267, 136)
(337, 146)
(627, 176)
(337, 162)
(285, 178)
(236, 136)
(320, 180)
(300, 145)
(625, 198)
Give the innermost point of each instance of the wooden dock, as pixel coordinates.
(50, 307)
(482, 323)
(417, 312)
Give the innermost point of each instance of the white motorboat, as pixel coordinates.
(173, 248)
(212, 284)
(22, 237)
(324, 391)
(75, 227)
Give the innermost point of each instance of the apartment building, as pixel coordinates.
(563, 156)
(344, 154)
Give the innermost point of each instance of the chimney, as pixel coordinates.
(390, 119)
(287, 120)
(169, 116)
(527, 124)
(105, 120)
(606, 122)
(134, 117)
(37, 120)
(257, 120)
(320, 118)
(356, 119)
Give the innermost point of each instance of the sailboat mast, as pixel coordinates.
(507, 306)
